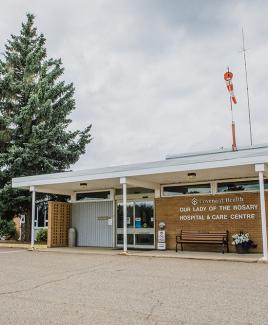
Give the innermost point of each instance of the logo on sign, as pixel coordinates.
(194, 201)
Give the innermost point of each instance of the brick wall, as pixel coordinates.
(218, 212)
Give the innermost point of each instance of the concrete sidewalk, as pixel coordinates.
(230, 257)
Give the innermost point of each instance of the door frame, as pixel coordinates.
(132, 230)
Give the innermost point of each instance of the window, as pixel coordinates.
(130, 215)
(173, 190)
(144, 214)
(134, 190)
(120, 239)
(87, 196)
(241, 186)
(41, 215)
(144, 239)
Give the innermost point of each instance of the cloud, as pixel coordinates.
(149, 74)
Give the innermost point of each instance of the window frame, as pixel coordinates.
(238, 180)
(37, 216)
(187, 184)
(213, 187)
(94, 200)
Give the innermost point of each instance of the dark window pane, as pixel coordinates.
(120, 239)
(41, 216)
(241, 186)
(186, 189)
(144, 215)
(130, 217)
(144, 239)
(134, 190)
(93, 196)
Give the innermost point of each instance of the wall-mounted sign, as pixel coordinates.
(100, 218)
(218, 209)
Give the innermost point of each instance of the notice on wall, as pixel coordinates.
(215, 209)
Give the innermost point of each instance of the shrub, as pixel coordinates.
(41, 235)
(7, 228)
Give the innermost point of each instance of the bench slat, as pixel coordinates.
(200, 241)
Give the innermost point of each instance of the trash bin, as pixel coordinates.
(72, 237)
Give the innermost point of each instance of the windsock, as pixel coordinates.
(228, 76)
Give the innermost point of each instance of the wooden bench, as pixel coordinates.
(195, 237)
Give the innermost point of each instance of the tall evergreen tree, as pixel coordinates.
(35, 103)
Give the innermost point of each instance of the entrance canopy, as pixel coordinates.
(184, 168)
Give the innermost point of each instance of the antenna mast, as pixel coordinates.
(228, 76)
(246, 73)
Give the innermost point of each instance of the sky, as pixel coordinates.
(149, 73)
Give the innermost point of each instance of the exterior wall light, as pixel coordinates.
(191, 175)
(83, 185)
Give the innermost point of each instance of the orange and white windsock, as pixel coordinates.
(228, 76)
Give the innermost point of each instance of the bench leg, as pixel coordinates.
(176, 247)
(223, 248)
(181, 247)
(227, 247)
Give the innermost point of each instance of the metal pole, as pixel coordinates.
(246, 72)
(263, 216)
(32, 189)
(234, 148)
(125, 214)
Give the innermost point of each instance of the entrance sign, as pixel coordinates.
(218, 209)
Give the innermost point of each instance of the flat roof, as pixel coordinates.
(183, 162)
(217, 151)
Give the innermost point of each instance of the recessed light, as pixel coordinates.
(191, 175)
(83, 185)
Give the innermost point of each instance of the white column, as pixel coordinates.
(260, 169)
(157, 193)
(32, 189)
(123, 181)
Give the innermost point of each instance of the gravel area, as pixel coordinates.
(54, 288)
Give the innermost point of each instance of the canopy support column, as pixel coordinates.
(32, 189)
(261, 169)
(123, 181)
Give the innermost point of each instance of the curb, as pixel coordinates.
(203, 258)
(24, 246)
(6, 245)
(48, 250)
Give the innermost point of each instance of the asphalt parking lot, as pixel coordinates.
(53, 288)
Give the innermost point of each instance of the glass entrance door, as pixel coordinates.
(140, 224)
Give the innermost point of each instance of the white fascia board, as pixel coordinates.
(140, 183)
(70, 177)
(51, 191)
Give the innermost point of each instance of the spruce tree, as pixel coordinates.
(35, 104)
